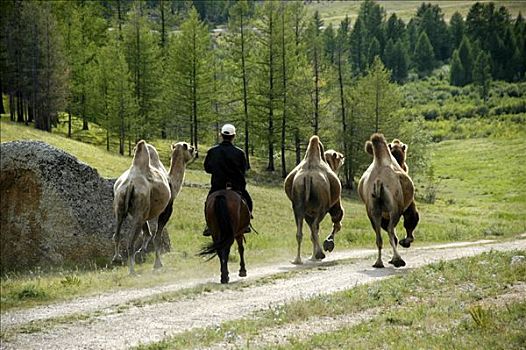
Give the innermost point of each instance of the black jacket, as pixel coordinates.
(227, 164)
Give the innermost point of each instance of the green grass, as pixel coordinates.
(440, 306)
(480, 193)
(333, 12)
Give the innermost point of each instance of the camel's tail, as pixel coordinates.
(378, 190)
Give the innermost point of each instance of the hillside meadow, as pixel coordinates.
(333, 12)
(478, 191)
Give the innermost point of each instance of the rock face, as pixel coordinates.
(54, 210)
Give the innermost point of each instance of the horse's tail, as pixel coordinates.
(226, 232)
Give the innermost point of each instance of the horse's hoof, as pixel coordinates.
(378, 265)
(224, 280)
(328, 245)
(406, 243)
(397, 262)
(242, 273)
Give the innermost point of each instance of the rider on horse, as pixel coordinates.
(228, 165)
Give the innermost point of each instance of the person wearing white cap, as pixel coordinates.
(228, 165)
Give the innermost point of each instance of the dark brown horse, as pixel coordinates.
(227, 216)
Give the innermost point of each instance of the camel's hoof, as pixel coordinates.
(157, 266)
(378, 265)
(242, 273)
(297, 262)
(319, 256)
(406, 243)
(328, 245)
(397, 262)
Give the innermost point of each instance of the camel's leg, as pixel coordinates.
(147, 236)
(223, 259)
(393, 239)
(376, 223)
(161, 223)
(411, 218)
(299, 235)
(317, 253)
(137, 227)
(117, 258)
(241, 250)
(336, 213)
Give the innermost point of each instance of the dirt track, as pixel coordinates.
(153, 322)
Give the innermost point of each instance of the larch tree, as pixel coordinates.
(142, 55)
(191, 78)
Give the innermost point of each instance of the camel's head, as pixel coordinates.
(183, 150)
(334, 159)
(398, 150)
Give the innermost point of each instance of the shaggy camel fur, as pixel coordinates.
(387, 192)
(411, 217)
(143, 192)
(314, 190)
(182, 154)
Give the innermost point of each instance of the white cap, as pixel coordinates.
(228, 129)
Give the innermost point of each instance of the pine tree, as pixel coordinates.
(358, 49)
(456, 29)
(374, 101)
(401, 62)
(374, 51)
(423, 56)
(482, 74)
(466, 60)
(456, 73)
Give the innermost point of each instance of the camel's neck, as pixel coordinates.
(176, 173)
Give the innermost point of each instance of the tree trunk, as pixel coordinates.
(19, 108)
(194, 97)
(11, 106)
(2, 109)
(69, 123)
(245, 90)
(270, 166)
(284, 116)
(316, 93)
(297, 146)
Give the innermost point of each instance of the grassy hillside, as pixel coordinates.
(333, 12)
(480, 192)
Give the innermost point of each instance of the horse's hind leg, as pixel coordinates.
(336, 213)
(397, 260)
(241, 250)
(411, 218)
(223, 259)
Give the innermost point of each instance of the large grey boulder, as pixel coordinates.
(54, 209)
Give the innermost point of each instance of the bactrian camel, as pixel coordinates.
(143, 192)
(314, 190)
(182, 154)
(387, 192)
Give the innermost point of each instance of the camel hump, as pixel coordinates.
(379, 145)
(313, 153)
(141, 158)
